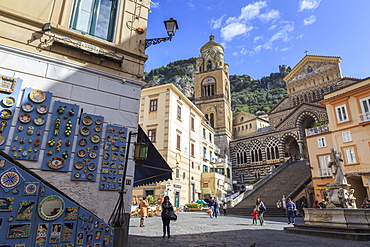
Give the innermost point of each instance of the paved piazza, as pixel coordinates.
(197, 229)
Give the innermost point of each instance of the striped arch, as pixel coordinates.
(301, 117)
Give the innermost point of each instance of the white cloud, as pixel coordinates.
(215, 24)
(271, 15)
(285, 49)
(234, 29)
(299, 36)
(190, 3)
(257, 38)
(257, 49)
(309, 20)
(272, 27)
(155, 5)
(238, 25)
(235, 53)
(252, 11)
(283, 32)
(308, 5)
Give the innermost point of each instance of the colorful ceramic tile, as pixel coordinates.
(30, 126)
(25, 210)
(6, 204)
(86, 158)
(106, 241)
(69, 245)
(60, 139)
(113, 158)
(71, 214)
(19, 231)
(42, 233)
(10, 179)
(89, 238)
(67, 232)
(30, 188)
(97, 245)
(97, 235)
(55, 233)
(80, 238)
(20, 245)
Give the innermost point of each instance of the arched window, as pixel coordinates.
(209, 65)
(272, 150)
(206, 116)
(200, 69)
(212, 120)
(255, 152)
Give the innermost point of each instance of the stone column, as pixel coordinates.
(301, 152)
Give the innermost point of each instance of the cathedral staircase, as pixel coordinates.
(288, 180)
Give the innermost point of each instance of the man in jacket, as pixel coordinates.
(291, 211)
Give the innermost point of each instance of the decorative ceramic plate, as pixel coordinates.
(6, 113)
(106, 155)
(87, 120)
(81, 153)
(122, 139)
(85, 131)
(95, 138)
(56, 163)
(7, 84)
(10, 179)
(30, 188)
(9, 101)
(93, 154)
(77, 175)
(91, 167)
(90, 176)
(2, 140)
(82, 142)
(121, 157)
(39, 120)
(25, 118)
(98, 121)
(27, 107)
(79, 165)
(37, 96)
(97, 128)
(42, 109)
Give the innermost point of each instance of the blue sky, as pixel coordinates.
(258, 36)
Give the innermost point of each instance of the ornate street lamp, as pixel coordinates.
(171, 27)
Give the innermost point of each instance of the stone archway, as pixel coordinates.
(290, 146)
(305, 121)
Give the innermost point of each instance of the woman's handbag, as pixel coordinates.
(172, 216)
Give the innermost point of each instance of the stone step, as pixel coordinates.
(356, 236)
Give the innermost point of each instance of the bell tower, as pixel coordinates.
(212, 91)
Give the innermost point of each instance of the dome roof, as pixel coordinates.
(212, 44)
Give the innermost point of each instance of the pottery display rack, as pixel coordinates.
(30, 126)
(114, 154)
(59, 144)
(86, 159)
(9, 91)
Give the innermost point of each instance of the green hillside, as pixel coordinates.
(255, 96)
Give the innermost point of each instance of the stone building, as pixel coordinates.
(348, 132)
(212, 92)
(255, 155)
(83, 60)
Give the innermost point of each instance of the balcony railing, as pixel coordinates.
(364, 117)
(317, 130)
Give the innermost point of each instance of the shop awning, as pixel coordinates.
(154, 169)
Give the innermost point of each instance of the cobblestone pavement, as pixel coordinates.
(197, 229)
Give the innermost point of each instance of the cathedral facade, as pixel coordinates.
(255, 155)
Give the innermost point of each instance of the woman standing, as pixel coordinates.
(260, 209)
(166, 209)
(143, 206)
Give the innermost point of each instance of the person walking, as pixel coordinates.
(216, 205)
(224, 207)
(211, 204)
(255, 216)
(303, 205)
(278, 204)
(291, 210)
(166, 210)
(260, 207)
(143, 206)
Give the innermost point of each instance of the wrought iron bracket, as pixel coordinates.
(149, 42)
